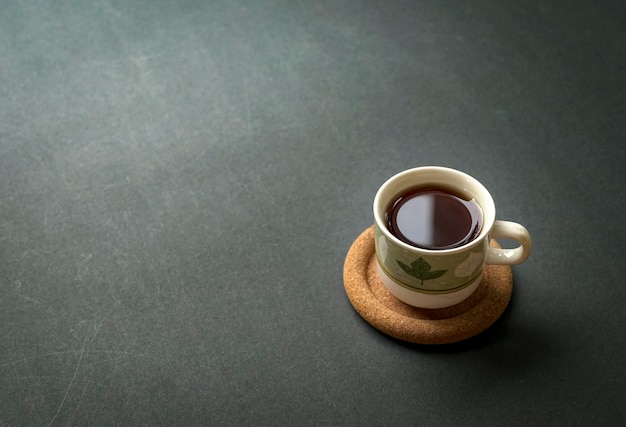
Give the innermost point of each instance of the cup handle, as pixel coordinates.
(509, 230)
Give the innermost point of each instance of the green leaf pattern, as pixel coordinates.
(421, 269)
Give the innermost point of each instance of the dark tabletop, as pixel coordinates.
(180, 182)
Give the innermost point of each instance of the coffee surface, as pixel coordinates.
(434, 218)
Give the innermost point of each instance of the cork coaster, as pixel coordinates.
(371, 299)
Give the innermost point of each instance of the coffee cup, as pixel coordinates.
(433, 227)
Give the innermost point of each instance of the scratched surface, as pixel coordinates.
(181, 180)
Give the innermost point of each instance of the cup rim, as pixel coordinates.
(478, 189)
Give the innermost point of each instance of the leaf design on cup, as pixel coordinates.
(421, 269)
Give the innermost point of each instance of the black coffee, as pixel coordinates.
(434, 218)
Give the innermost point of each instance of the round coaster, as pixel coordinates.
(371, 299)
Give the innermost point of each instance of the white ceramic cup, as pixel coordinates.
(433, 278)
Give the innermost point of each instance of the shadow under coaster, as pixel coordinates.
(371, 299)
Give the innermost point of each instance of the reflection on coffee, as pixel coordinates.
(434, 218)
